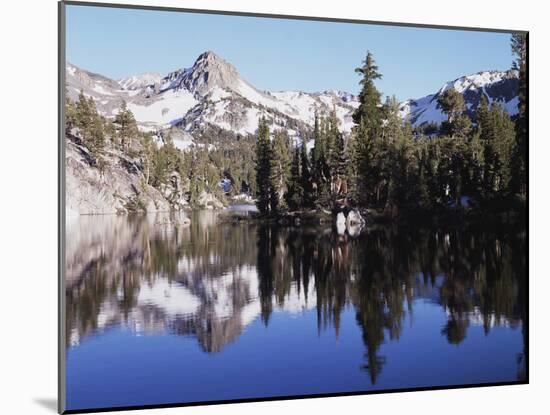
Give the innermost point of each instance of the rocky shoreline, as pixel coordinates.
(351, 220)
(119, 186)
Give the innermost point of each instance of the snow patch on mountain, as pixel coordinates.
(170, 107)
(137, 82)
(212, 92)
(475, 81)
(500, 87)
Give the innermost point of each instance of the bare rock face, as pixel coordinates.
(340, 223)
(117, 188)
(350, 221)
(210, 71)
(354, 223)
(354, 218)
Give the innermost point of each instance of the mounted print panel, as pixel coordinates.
(268, 207)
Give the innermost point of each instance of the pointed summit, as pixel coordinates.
(207, 73)
(210, 56)
(210, 71)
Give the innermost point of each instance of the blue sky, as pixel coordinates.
(278, 54)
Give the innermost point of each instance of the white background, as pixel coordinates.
(28, 173)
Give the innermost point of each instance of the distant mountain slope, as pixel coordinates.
(213, 93)
(139, 81)
(210, 92)
(498, 86)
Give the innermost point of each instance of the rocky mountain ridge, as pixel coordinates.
(212, 93)
(498, 87)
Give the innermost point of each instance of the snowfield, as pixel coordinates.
(172, 106)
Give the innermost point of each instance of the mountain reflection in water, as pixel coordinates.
(209, 281)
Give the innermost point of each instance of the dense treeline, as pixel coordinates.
(384, 164)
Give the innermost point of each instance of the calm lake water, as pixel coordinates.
(160, 314)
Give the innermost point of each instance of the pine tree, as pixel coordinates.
(147, 154)
(366, 145)
(485, 132)
(452, 104)
(305, 175)
(519, 49)
(368, 112)
(295, 194)
(364, 174)
(126, 126)
(423, 171)
(94, 131)
(318, 145)
(263, 167)
(482, 115)
(321, 185)
(70, 112)
(497, 134)
(82, 112)
(85, 117)
(504, 146)
(279, 171)
(337, 159)
(325, 199)
(200, 179)
(401, 165)
(475, 164)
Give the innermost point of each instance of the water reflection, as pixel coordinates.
(209, 280)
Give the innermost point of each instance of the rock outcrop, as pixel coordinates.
(209, 201)
(118, 187)
(350, 221)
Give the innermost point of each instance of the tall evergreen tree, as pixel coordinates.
(83, 113)
(90, 124)
(295, 193)
(70, 112)
(368, 112)
(519, 49)
(452, 104)
(320, 174)
(280, 170)
(263, 167)
(305, 175)
(126, 126)
(497, 134)
(365, 143)
(96, 135)
(400, 160)
(337, 159)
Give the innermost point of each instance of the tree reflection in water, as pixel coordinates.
(210, 280)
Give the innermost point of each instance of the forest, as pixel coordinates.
(388, 166)
(384, 165)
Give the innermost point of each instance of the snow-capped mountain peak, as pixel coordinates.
(207, 73)
(134, 82)
(498, 87)
(478, 80)
(211, 92)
